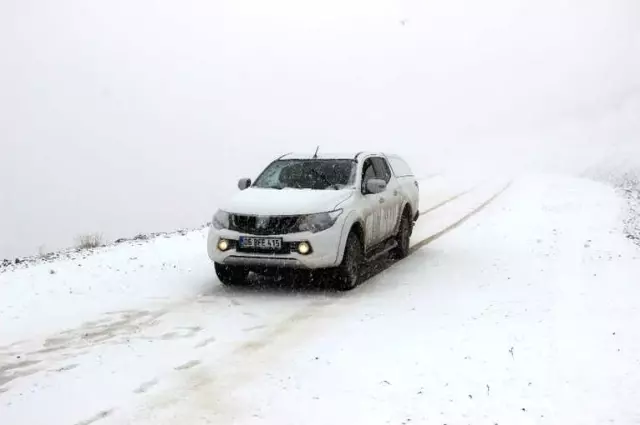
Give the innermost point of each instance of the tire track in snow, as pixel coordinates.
(98, 416)
(447, 201)
(210, 387)
(458, 223)
(382, 266)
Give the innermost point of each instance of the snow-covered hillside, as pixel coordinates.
(517, 305)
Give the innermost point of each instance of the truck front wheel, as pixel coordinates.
(348, 273)
(231, 275)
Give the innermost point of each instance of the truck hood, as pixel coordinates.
(257, 201)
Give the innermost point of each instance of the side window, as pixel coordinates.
(382, 169)
(368, 172)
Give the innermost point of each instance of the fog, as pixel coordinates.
(124, 117)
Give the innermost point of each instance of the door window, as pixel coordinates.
(368, 173)
(382, 169)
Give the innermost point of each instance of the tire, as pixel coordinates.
(231, 275)
(403, 238)
(347, 275)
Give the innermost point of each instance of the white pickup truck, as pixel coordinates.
(316, 212)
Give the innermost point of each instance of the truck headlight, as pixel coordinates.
(315, 223)
(304, 248)
(223, 245)
(220, 220)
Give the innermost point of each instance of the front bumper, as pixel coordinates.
(325, 250)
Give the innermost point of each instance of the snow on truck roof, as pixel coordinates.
(399, 166)
(332, 155)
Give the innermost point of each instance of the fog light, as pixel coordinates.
(223, 244)
(304, 248)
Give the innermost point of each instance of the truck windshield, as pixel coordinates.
(318, 174)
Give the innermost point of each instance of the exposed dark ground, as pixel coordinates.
(626, 180)
(631, 189)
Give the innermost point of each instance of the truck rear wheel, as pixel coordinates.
(403, 238)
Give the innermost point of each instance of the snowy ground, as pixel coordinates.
(513, 309)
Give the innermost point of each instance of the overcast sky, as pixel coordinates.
(121, 116)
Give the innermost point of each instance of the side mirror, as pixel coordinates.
(244, 183)
(374, 186)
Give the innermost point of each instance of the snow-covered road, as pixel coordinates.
(516, 306)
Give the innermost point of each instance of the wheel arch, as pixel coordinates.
(406, 210)
(351, 224)
(358, 228)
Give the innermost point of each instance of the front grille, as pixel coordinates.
(263, 225)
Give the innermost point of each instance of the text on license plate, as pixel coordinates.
(260, 243)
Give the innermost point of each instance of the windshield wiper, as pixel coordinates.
(324, 178)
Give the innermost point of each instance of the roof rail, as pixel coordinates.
(282, 156)
(358, 154)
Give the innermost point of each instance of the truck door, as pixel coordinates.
(372, 211)
(391, 199)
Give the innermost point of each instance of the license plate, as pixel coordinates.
(249, 242)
